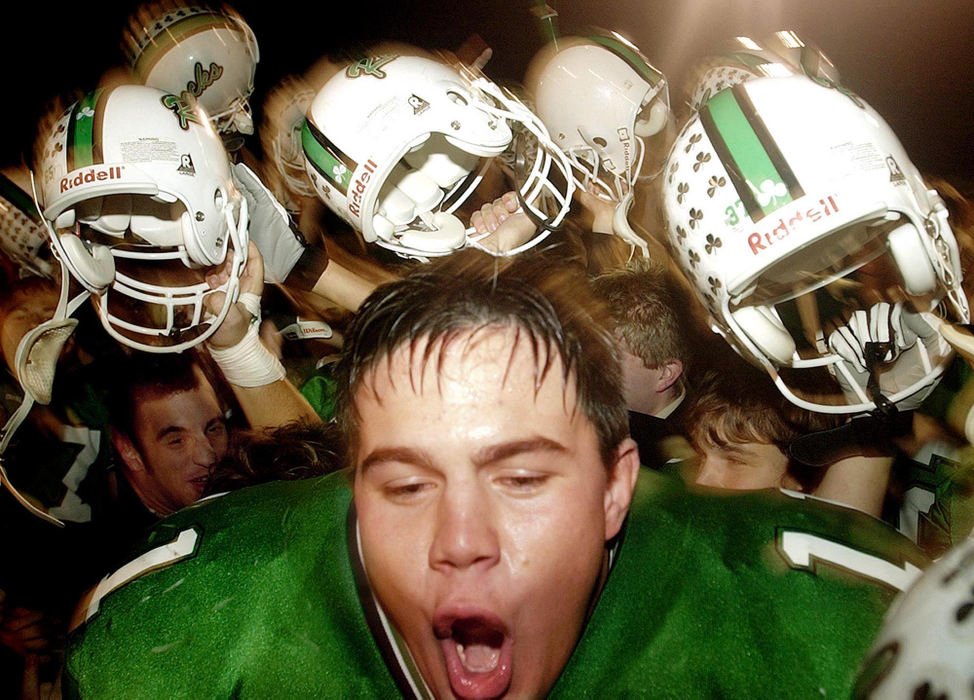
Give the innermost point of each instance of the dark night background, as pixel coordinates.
(911, 59)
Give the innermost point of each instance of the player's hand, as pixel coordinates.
(886, 336)
(601, 210)
(280, 244)
(28, 631)
(33, 686)
(502, 224)
(239, 317)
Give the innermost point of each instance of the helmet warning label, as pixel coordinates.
(149, 149)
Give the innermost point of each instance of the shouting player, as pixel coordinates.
(491, 539)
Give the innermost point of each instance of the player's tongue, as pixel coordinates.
(478, 657)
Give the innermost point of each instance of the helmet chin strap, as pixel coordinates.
(36, 363)
(622, 228)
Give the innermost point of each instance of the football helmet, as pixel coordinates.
(280, 136)
(395, 143)
(24, 238)
(789, 204)
(925, 647)
(782, 54)
(196, 52)
(136, 188)
(600, 99)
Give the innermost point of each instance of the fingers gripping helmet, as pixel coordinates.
(780, 191)
(197, 52)
(741, 59)
(599, 98)
(280, 137)
(394, 144)
(137, 191)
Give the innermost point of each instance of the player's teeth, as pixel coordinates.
(478, 658)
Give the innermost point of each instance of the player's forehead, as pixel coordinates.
(186, 408)
(491, 357)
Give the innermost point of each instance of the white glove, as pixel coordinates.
(900, 331)
(279, 243)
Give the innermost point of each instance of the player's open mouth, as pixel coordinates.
(478, 652)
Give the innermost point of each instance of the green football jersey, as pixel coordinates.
(261, 593)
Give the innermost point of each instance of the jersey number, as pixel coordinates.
(182, 547)
(803, 550)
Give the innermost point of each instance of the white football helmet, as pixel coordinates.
(136, 187)
(280, 136)
(600, 99)
(788, 204)
(395, 143)
(197, 52)
(741, 59)
(925, 648)
(24, 239)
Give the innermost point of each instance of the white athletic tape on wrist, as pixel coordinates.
(251, 302)
(249, 363)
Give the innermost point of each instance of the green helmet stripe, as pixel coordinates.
(756, 167)
(82, 148)
(11, 192)
(745, 59)
(326, 158)
(636, 60)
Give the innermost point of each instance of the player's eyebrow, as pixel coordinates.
(403, 455)
(167, 431)
(505, 450)
(483, 457)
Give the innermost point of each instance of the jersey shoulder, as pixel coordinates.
(746, 588)
(259, 578)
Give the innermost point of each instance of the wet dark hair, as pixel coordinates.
(142, 376)
(300, 449)
(550, 307)
(740, 404)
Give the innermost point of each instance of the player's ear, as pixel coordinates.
(127, 451)
(669, 372)
(619, 487)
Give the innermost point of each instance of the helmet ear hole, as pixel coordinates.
(906, 249)
(94, 268)
(766, 330)
(654, 121)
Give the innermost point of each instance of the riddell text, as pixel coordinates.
(759, 241)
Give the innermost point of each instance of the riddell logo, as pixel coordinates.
(91, 175)
(759, 241)
(356, 191)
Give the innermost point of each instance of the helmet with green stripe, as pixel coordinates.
(789, 205)
(280, 137)
(198, 52)
(742, 58)
(600, 98)
(394, 144)
(136, 189)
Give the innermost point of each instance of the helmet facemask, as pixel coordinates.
(795, 212)
(610, 135)
(138, 227)
(400, 180)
